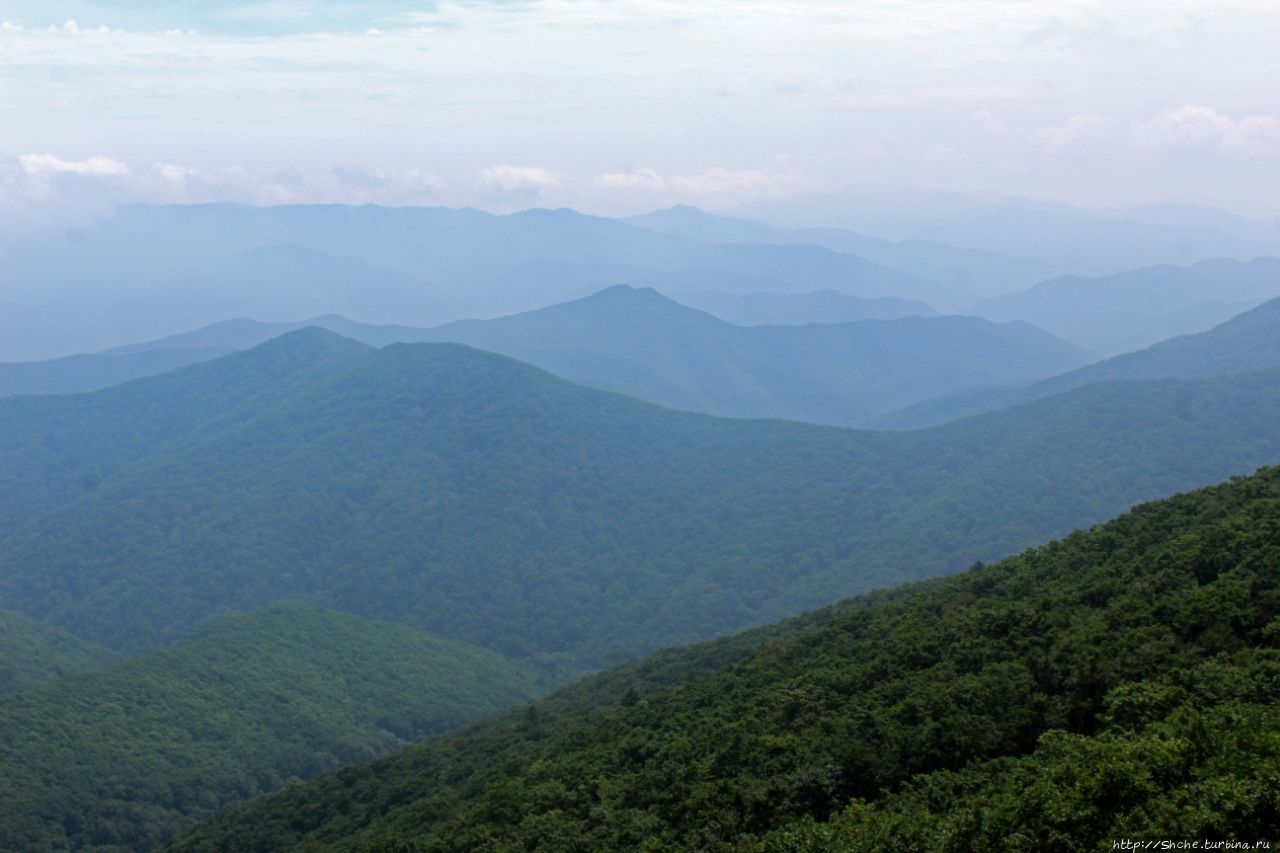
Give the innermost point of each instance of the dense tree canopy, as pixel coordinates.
(123, 757)
(32, 653)
(1122, 682)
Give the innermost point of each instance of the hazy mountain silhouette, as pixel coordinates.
(1135, 309)
(1243, 344)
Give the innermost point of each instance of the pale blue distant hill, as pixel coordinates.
(147, 271)
(967, 273)
(1244, 344)
(638, 342)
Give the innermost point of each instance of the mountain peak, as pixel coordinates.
(309, 340)
(629, 291)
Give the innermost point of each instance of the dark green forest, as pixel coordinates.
(124, 757)
(1120, 683)
(481, 499)
(32, 653)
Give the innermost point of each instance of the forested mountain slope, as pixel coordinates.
(1120, 683)
(54, 449)
(32, 653)
(124, 757)
(482, 499)
(1244, 344)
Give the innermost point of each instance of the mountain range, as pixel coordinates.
(162, 269)
(643, 344)
(968, 272)
(475, 497)
(1134, 309)
(1244, 344)
(640, 343)
(1074, 240)
(237, 558)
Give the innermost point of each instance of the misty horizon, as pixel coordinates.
(730, 107)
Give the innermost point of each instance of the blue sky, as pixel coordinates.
(623, 105)
(227, 17)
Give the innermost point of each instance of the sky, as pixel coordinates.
(619, 106)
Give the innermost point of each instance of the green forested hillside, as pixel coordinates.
(123, 757)
(475, 497)
(1121, 683)
(1246, 343)
(55, 449)
(32, 653)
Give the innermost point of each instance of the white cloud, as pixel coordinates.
(1195, 128)
(518, 180)
(48, 164)
(73, 28)
(646, 179)
(173, 173)
(898, 91)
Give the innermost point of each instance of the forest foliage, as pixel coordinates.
(1121, 682)
(32, 653)
(123, 757)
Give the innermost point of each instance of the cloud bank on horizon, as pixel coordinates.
(620, 106)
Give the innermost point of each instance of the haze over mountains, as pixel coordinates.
(1243, 344)
(820, 306)
(423, 266)
(147, 271)
(969, 273)
(1131, 310)
(470, 495)
(1071, 239)
(263, 548)
(638, 342)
